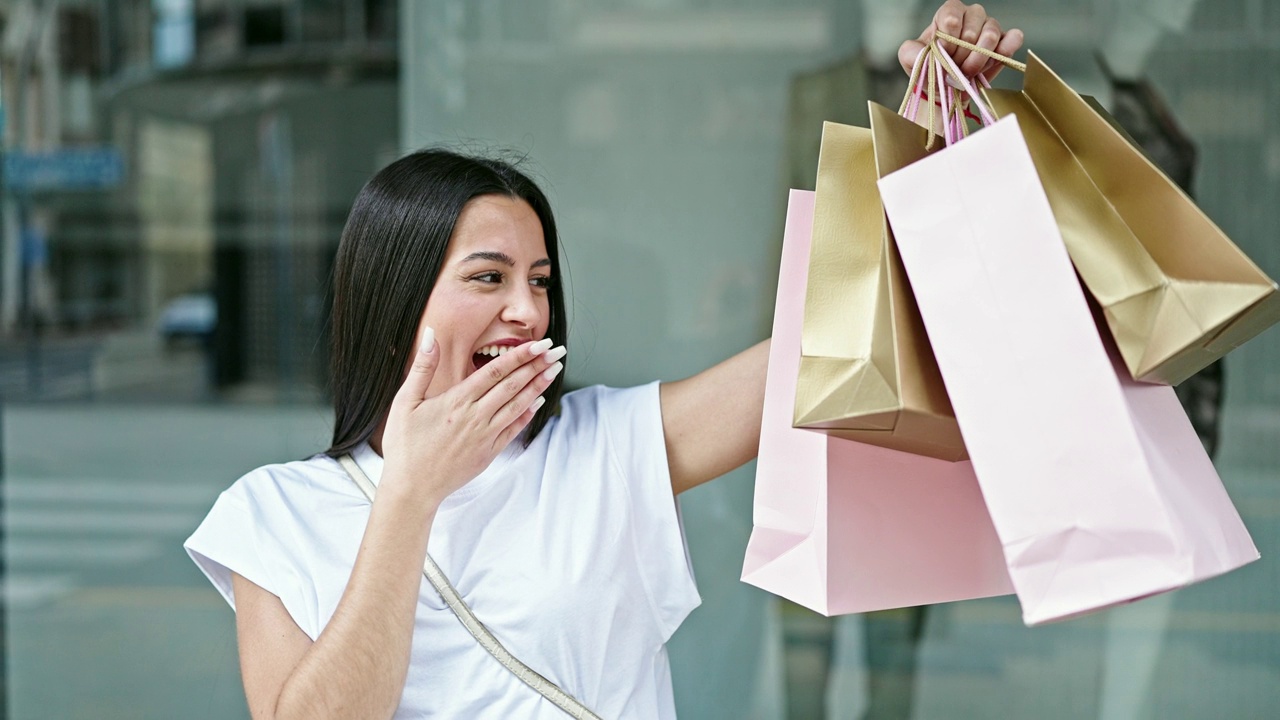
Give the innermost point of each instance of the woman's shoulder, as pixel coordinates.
(272, 523)
(314, 477)
(602, 399)
(601, 411)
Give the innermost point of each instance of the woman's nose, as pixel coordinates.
(522, 307)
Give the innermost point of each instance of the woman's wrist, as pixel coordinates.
(411, 491)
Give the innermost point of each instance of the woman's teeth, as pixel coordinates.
(493, 350)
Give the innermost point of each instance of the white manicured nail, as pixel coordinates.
(538, 403)
(555, 354)
(541, 346)
(428, 340)
(551, 372)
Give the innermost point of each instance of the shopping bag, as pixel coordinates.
(1176, 292)
(841, 526)
(1097, 485)
(866, 370)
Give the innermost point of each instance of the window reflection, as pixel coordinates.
(176, 176)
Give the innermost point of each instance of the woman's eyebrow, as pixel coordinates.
(491, 256)
(501, 257)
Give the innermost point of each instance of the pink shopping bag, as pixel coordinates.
(843, 527)
(1098, 487)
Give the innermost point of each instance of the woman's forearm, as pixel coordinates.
(357, 667)
(711, 421)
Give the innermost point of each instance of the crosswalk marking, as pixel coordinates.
(130, 521)
(28, 589)
(22, 552)
(64, 536)
(109, 491)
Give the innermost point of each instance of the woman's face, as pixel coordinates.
(492, 290)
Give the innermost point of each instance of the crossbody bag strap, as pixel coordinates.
(527, 675)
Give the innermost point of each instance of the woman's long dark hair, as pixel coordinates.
(390, 256)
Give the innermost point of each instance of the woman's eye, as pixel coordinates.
(541, 282)
(489, 277)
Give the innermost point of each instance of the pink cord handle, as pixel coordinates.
(935, 71)
(956, 75)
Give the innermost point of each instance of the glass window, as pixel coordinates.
(177, 176)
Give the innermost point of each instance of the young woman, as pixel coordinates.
(553, 515)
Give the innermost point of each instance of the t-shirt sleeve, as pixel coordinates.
(233, 539)
(633, 421)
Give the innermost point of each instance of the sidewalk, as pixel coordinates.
(107, 617)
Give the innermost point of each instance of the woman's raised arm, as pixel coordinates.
(712, 420)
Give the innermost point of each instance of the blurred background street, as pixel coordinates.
(108, 619)
(176, 175)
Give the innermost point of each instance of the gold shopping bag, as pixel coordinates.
(1177, 294)
(867, 372)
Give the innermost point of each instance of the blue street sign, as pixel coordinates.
(71, 169)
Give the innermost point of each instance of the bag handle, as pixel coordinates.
(947, 87)
(1002, 59)
(935, 76)
(527, 675)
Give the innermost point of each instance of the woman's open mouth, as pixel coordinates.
(488, 354)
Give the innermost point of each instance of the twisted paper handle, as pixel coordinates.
(1002, 59)
(934, 67)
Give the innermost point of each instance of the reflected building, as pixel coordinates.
(245, 128)
(666, 133)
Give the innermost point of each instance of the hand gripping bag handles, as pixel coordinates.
(1097, 485)
(527, 675)
(866, 371)
(841, 526)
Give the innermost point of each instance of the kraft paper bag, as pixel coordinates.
(866, 370)
(1176, 292)
(844, 527)
(1098, 487)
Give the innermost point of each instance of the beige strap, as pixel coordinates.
(545, 687)
(924, 70)
(1002, 59)
(925, 54)
(911, 82)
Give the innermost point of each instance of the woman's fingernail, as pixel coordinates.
(555, 354)
(541, 346)
(538, 403)
(428, 340)
(551, 372)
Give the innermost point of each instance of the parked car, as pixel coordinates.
(189, 318)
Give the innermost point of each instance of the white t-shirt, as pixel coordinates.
(570, 551)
